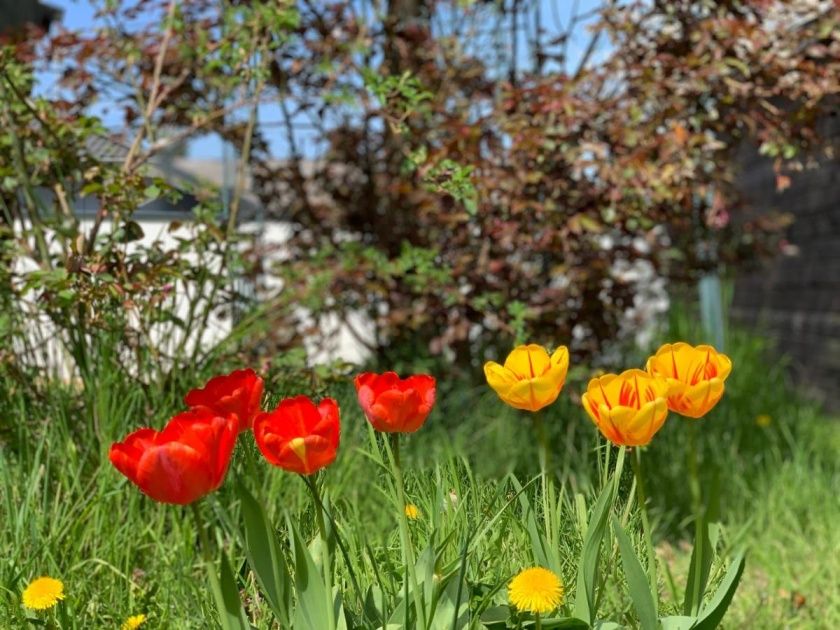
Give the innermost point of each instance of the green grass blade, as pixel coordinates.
(588, 567)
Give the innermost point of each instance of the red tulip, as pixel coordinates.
(182, 463)
(238, 393)
(299, 436)
(395, 405)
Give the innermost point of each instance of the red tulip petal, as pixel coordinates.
(174, 473)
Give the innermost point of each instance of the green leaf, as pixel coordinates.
(374, 607)
(495, 618)
(677, 622)
(701, 555)
(588, 566)
(129, 232)
(637, 581)
(265, 557)
(713, 612)
(448, 614)
(566, 623)
(231, 614)
(313, 606)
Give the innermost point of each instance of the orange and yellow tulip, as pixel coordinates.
(529, 379)
(628, 408)
(695, 376)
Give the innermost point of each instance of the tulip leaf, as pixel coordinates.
(560, 623)
(231, 614)
(451, 610)
(588, 566)
(712, 613)
(699, 568)
(677, 622)
(495, 617)
(265, 557)
(637, 581)
(314, 606)
(374, 606)
(701, 555)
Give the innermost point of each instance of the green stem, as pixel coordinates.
(642, 498)
(325, 547)
(247, 446)
(206, 549)
(619, 469)
(537, 622)
(542, 438)
(605, 473)
(697, 505)
(547, 486)
(408, 551)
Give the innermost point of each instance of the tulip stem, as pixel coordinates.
(325, 546)
(697, 505)
(203, 539)
(542, 438)
(408, 551)
(642, 498)
(207, 555)
(547, 501)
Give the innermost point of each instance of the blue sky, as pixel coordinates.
(79, 14)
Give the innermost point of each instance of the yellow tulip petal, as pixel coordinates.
(647, 421)
(590, 406)
(599, 414)
(628, 408)
(688, 364)
(617, 420)
(528, 361)
(545, 389)
(498, 375)
(702, 397)
(724, 366)
(560, 359)
(500, 379)
(522, 396)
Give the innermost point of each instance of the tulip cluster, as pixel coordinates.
(189, 457)
(628, 408)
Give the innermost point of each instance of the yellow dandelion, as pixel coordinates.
(133, 622)
(412, 511)
(43, 593)
(536, 590)
(763, 420)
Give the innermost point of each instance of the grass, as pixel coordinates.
(66, 513)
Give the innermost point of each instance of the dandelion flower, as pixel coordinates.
(763, 420)
(43, 593)
(412, 511)
(133, 622)
(536, 590)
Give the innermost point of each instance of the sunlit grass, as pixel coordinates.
(68, 514)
